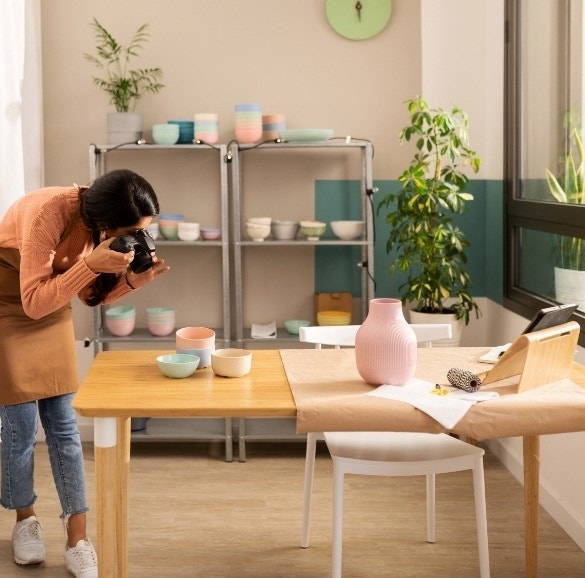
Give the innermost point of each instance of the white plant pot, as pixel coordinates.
(570, 286)
(436, 318)
(125, 127)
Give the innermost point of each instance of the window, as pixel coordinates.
(545, 205)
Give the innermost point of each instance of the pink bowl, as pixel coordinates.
(195, 338)
(161, 329)
(120, 327)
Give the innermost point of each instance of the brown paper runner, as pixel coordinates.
(328, 394)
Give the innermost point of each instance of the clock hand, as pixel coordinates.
(358, 7)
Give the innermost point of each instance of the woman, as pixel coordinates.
(55, 245)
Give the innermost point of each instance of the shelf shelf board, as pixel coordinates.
(304, 242)
(141, 334)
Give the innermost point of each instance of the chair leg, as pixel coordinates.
(430, 508)
(307, 496)
(481, 519)
(337, 536)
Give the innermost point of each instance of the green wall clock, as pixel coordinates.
(358, 19)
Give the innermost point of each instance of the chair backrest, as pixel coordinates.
(344, 335)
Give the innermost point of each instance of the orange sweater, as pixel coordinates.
(52, 270)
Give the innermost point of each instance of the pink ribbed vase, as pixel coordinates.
(385, 344)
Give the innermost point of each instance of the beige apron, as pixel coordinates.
(37, 357)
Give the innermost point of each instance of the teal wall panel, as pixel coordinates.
(336, 269)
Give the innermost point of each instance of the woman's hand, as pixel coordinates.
(138, 280)
(104, 260)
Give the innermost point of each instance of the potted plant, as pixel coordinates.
(124, 86)
(570, 251)
(429, 247)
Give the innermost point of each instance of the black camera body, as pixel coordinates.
(142, 243)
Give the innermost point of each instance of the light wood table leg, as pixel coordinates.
(112, 458)
(531, 502)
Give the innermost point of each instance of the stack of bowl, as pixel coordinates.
(160, 320)
(188, 231)
(258, 228)
(272, 124)
(333, 318)
(121, 319)
(248, 122)
(168, 225)
(206, 127)
(165, 134)
(285, 230)
(186, 130)
(210, 234)
(198, 341)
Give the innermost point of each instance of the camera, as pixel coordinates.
(142, 243)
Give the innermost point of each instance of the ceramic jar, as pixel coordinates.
(385, 344)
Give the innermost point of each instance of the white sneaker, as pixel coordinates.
(27, 542)
(81, 560)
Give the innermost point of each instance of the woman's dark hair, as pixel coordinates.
(119, 198)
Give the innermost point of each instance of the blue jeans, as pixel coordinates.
(19, 428)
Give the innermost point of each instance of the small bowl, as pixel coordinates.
(347, 230)
(293, 325)
(165, 134)
(121, 312)
(177, 365)
(313, 229)
(210, 234)
(160, 329)
(121, 327)
(259, 220)
(285, 230)
(231, 362)
(257, 232)
(170, 233)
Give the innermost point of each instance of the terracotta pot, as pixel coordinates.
(385, 344)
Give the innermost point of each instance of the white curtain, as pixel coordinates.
(21, 167)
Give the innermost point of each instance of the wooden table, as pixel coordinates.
(124, 384)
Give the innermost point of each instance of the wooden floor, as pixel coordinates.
(193, 514)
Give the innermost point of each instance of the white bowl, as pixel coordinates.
(285, 230)
(231, 362)
(257, 232)
(347, 230)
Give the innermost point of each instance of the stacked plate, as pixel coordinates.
(333, 318)
(306, 134)
(248, 123)
(186, 130)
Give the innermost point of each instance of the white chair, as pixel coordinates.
(391, 454)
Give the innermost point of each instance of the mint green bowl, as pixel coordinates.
(177, 365)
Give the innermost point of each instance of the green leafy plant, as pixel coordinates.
(124, 86)
(429, 247)
(568, 188)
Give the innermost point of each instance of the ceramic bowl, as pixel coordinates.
(231, 362)
(177, 365)
(204, 354)
(121, 327)
(293, 325)
(285, 230)
(347, 230)
(121, 312)
(333, 318)
(188, 231)
(210, 234)
(257, 232)
(160, 321)
(313, 229)
(195, 338)
(165, 134)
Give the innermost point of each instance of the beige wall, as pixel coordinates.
(215, 54)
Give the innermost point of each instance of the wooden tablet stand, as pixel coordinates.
(539, 357)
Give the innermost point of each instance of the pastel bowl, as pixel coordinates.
(313, 229)
(231, 362)
(333, 318)
(293, 325)
(121, 327)
(160, 329)
(204, 354)
(177, 365)
(259, 220)
(257, 232)
(195, 338)
(210, 234)
(347, 230)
